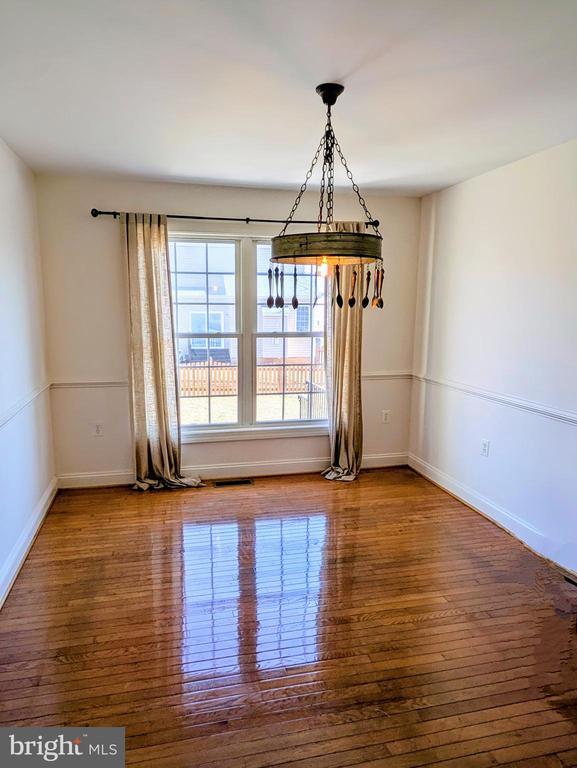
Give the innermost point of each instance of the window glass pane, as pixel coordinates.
(208, 379)
(194, 411)
(190, 257)
(270, 379)
(269, 407)
(222, 318)
(262, 288)
(304, 285)
(298, 350)
(193, 378)
(303, 318)
(189, 318)
(297, 378)
(224, 410)
(221, 288)
(269, 351)
(191, 288)
(268, 320)
(318, 318)
(318, 353)
(221, 257)
(263, 257)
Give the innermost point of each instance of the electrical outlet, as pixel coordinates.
(386, 417)
(485, 445)
(97, 429)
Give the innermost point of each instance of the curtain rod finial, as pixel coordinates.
(95, 213)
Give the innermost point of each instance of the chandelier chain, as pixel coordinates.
(356, 189)
(329, 165)
(303, 188)
(322, 191)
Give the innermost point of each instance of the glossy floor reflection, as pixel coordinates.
(296, 622)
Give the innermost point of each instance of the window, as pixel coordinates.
(241, 363)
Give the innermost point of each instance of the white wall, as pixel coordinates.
(87, 325)
(496, 351)
(27, 482)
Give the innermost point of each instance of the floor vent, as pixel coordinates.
(227, 483)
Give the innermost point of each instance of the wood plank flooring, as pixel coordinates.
(296, 623)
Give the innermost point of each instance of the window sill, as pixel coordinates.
(232, 434)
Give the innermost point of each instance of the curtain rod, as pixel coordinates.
(96, 213)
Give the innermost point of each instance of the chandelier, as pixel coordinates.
(327, 248)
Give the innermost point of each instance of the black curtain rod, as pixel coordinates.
(96, 213)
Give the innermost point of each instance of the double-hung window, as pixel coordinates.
(243, 364)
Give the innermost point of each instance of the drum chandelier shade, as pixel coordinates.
(327, 247)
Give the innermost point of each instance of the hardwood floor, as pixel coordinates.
(295, 622)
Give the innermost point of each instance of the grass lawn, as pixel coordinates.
(194, 410)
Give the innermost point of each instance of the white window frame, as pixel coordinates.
(246, 334)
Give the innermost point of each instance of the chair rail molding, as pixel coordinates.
(511, 401)
(88, 384)
(20, 404)
(386, 375)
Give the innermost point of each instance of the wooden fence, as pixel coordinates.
(194, 379)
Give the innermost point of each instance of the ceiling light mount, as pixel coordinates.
(329, 92)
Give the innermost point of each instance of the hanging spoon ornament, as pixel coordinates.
(338, 280)
(270, 300)
(295, 301)
(365, 301)
(352, 298)
(380, 302)
(277, 299)
(375, 289)
(281, 297)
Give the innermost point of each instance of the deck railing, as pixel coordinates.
(194, 379)
(313, 405)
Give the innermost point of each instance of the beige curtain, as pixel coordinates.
(153, 371)
(343, 341)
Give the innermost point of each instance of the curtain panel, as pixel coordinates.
(343, 346)
(153, 367)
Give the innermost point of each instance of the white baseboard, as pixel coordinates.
(17, 556)
(521, 529)
(377, 460)
(96, 479)
(239, 469)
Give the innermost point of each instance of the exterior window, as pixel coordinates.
(241, 363)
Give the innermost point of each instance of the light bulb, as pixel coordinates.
(324, 267)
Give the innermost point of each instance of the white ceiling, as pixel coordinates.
(223, 90)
